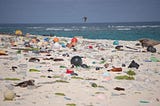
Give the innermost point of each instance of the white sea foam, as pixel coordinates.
(138, 26)
(66, 29)
(61, 29)
(34, 27)
(124, 29)
(148, 26)
(54, 29)
(83, 27)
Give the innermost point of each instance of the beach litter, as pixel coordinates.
(154, 59)
(151, 49)
(76, 60)
(2, 52)
(133, 64)
(26, 83)
(115, 69)
(144, 101)
(87, 72)
(119, 89)
(33, 59)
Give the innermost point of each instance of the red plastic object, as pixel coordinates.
(90, 47)
(74, 40)
(69, 71)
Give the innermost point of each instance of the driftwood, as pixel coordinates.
(148, 42)
(26, 83)
(3, 52)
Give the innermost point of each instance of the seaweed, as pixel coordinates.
(94, 85)
(42, 76)
(124, 77)
(102, 62)
(90, 79)
(62, 67)
(33, 49)
(131, 73)
(56, 76)
(33, 70)
(18, 52)
(12, 79)
(129, 76)
(77, 78)
(100, 86)
(99, 92)
(71, 104)
(60, 94)
(62, 81)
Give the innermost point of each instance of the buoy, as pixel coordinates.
(18, 32)
(116, 42)
(74, 40)
(56, 39)
(76, 60)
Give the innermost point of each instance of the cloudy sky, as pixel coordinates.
(72, 11)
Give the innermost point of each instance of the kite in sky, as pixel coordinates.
(84, 18)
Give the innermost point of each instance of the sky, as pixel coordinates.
(73, 11)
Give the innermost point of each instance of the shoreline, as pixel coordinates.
(114, 31)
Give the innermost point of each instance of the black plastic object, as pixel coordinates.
(33, 59)
(76, 60)
(133, 64)
(151, 49)
(84, 66)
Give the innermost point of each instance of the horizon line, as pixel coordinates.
(88, 22)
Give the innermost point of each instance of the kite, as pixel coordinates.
(84, 18)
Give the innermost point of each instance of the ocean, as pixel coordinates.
(114, 31)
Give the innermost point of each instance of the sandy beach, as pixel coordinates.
(104, 78)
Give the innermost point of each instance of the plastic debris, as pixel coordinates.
(68, 71)
(144, 101)
(154, 59)
(58, 59)
(67, 98)
(116, 70)
(119, 89)
(84, 66)
(76, 60)
(133, 64)
(34, 60)
(151, 49)
(116, 42)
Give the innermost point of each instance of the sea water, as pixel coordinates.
(113, 31)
